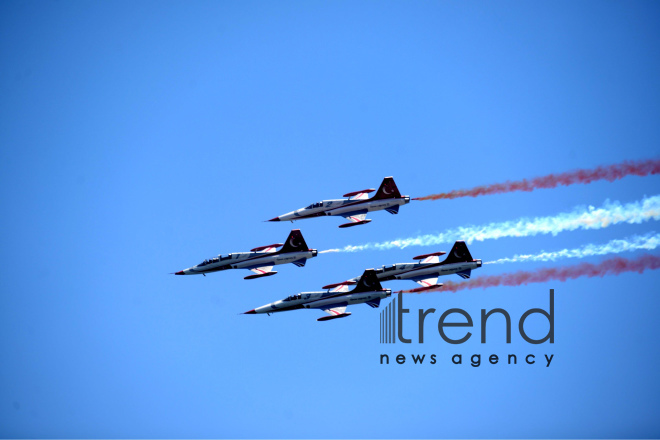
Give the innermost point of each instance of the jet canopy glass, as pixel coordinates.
(209, 261)
(214, 260)
(315, 205)
(293, 297)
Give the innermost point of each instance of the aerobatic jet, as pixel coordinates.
(259, 260)
(355, 207)
(333, 302)
(426, 271)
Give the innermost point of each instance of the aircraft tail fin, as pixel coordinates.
(368, 282)
(459, 253)
(387, 190)
(294, 243)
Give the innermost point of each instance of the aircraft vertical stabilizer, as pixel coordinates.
(387, 190)
(368, 282)
(294, 243)
(459, 253)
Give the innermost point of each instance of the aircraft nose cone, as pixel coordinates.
(180, 273)
(276, 219)
(250, 312)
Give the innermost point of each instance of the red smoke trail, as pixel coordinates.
(609, 173)
(613, 266)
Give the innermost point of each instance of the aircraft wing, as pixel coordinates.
(340, 288)
(268, 248)
(336, 311)
(360, 195)
(261, 270)
(430, 258)
(426, 282)
(355, 218)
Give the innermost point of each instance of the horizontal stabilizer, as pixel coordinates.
(327, 318)
(393, 209)
(348, 225)
(267, 274)
(301, 262)
(375, 303)
(465, 274)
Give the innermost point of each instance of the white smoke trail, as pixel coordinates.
(610, 213)
(647, 242)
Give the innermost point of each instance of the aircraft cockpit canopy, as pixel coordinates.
(315, 205)
(209, 261)
(293, 297)
(214, 260)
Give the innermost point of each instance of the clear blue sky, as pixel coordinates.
(139, 138)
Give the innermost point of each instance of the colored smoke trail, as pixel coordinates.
(609, 173)
(613, 266)
(610, 213)
(647, 242)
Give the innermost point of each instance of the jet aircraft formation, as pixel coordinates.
(336, 297)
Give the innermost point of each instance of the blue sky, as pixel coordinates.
(139, 138)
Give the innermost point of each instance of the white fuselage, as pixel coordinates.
(342, 207)
(321, 300)
(247, 260)
(404, 271)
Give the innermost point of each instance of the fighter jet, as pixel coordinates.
(355, 207)
(333, 302)
(259, 260)
(426, 271)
